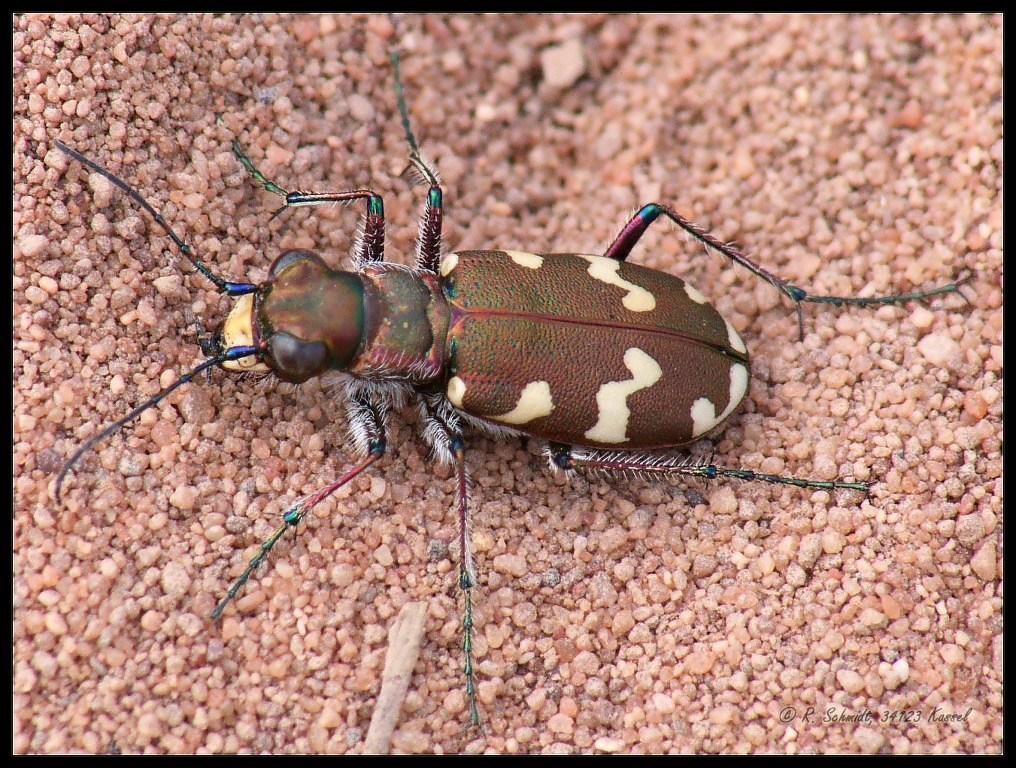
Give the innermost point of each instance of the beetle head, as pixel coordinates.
(306, 319)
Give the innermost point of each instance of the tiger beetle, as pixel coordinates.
(612, 364)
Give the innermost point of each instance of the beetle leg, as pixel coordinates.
(428, 241)
(444, 434)
(620, 249)
(467, 574)
(370, 241)
(371, 414)
(647, 214)
(648, 465)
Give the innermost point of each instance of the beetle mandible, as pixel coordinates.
(611, 363)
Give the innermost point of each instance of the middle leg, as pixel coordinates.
(428, 242)
(443, 432)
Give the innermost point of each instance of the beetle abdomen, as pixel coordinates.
(521, 357)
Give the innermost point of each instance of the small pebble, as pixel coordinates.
(563, 64)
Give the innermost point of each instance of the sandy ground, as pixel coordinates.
(854, 155)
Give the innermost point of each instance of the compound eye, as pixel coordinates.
(287, 258)
(294, 360)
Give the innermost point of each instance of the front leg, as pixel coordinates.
(370, 246)
(370, 415)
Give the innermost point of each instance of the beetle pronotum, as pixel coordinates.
(611, 363)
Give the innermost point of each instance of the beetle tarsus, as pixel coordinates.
(428, 242)
(467, 650)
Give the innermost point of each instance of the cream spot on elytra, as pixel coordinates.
(448, 263)
(695, 294)
(638, 299)
(456, 391)
(523, 259)
(703, 410)
(612, 398)
(736, 343)
(534, 402)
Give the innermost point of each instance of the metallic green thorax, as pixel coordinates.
(406, 324)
